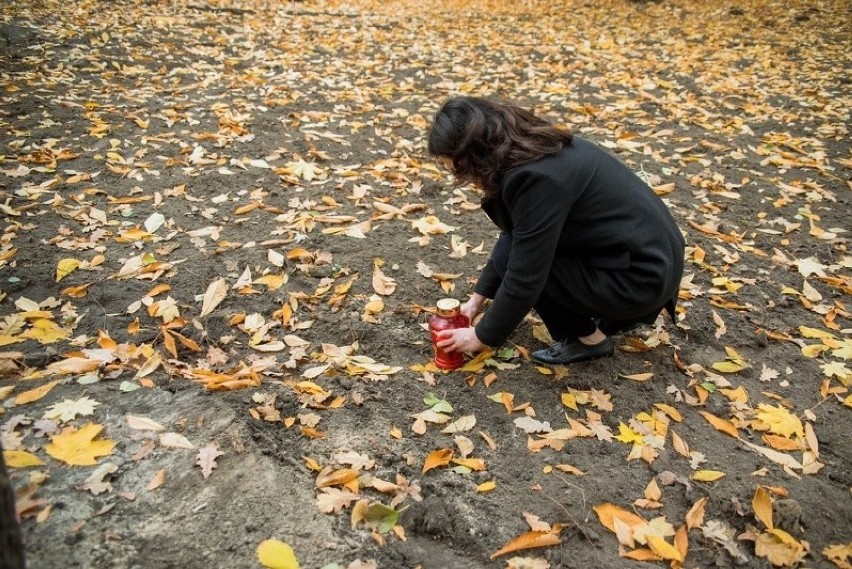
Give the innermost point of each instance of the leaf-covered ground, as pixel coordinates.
(221, 233)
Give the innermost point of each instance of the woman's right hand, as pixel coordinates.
(473, 306)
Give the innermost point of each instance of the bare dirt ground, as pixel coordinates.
(221, 231)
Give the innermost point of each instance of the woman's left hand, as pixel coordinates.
(460, 340)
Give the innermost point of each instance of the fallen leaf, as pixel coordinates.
(206, 458)
(213, 296)
(33, 395)
(21, 459)
(762, 505)
(437, 458)
(78, 447)
(528, 540)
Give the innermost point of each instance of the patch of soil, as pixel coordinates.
(114, 112)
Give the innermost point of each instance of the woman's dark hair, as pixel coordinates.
(487, 138)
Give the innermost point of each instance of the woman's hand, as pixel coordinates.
(459, 340)
(473, 306)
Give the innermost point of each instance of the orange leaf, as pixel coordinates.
(169, 343)
(681, 541)
(436, 458)
(608, 512)
(528, 540)
(642, 554)
(35, 394)
(336, 478)
(695, 515)
(721, 424)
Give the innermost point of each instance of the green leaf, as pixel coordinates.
(436, 404)
(506, 353)
(380, 517)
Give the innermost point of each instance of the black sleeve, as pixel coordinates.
(539, 208)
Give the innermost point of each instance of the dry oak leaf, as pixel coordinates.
(78, 447)
(334, 500)
(206, 458)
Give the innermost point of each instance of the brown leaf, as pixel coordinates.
(206, 458)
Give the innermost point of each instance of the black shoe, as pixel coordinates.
(572, 350)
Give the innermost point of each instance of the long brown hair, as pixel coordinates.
(488, 138)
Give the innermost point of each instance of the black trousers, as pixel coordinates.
(555, 309)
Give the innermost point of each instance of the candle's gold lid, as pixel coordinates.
(448, 305)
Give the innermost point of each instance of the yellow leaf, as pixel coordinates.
(46, 332)
(396, 433)
(487, 486)
(707, 475)
(663, 548)
(21, 459)
(477, 464)
(729, 366)
(721, 424)
(272, 282)
(814, 350)
(65, 267)
(569, 401)
(811, 333)
(780, 421)
(628, 435)
(274, 554)
(436, 458)
(544, 370)
(77, 447)
(762, 505)
(528, 540)
(35, 394)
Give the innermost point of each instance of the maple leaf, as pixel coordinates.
(780, 421)
(206, 458)
(67, 410)
(78, 447)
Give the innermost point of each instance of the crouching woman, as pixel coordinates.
(583, 240)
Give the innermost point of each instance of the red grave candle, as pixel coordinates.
(447, 317)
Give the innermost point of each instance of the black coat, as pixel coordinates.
(583, 218)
